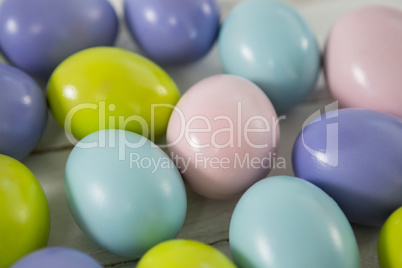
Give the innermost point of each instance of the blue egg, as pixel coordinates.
(124, 192)
(23, 112)
(288, 222)
(355, 156)
(269, 43)
(173, 32)
(57, 257)
(37, 35)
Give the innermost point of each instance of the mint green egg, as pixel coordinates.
(288, 222)
(269, 43)
(124, 192)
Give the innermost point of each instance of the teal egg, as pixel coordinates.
(269, 43)
(124, 192)
(288, 222)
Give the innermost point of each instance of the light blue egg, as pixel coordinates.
(124, 192)
(288, 222)
(269, 43)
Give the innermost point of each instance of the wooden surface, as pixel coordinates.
(207, 220)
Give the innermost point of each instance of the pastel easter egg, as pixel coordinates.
(363, 58)
(175, 31)
(288, 222)
(269, 43)
(355, 156)
(183, 253)
(111, 88)
(57, 257)
(36, 35)
(25, 219)
(223, 135)
(390, 241)
(124, 192)
(23, 112)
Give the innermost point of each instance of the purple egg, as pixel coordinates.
(57, 257)
(23, 112)
(173, 31)
(355, 156)
(36, 35)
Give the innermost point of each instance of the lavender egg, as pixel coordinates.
(355, 156)
(37, 35)
(57, 257)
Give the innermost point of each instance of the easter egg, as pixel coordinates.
(288, 222)
(36, 35)
(25, 220)
(23, 112)
(223, 135)
(390, 241)
(124, 192)
(269, 43)
(363, 58)
(355, 156)
(57, 257)
(111, 88)
(183, 253)
(173, 32)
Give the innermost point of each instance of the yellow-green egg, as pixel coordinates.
(390, 241)
(111, 88)
(181, 253)
(25, 220)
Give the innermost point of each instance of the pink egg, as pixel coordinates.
(363, 59)
(223, 136)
